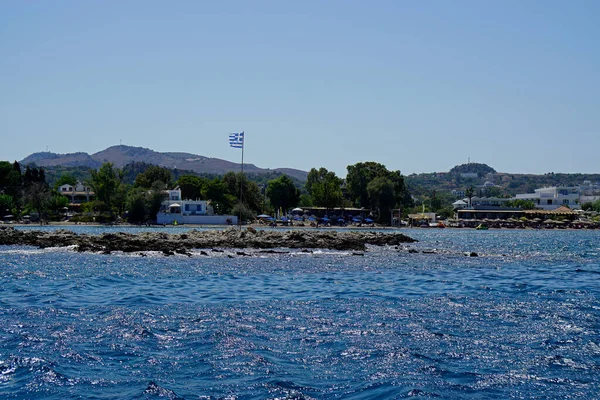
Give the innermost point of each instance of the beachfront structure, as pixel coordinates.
(76, 194)
(489, 212)
(550, 198)
(175, 210)
(488, 201)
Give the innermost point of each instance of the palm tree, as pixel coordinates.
(469, 194)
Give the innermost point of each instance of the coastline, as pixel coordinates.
(182, 242)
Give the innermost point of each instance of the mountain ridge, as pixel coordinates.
(121, 155)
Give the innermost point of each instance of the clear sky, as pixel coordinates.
(418, 86)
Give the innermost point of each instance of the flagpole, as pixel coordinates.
(241, 183)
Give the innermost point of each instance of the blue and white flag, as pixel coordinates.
(236, 140)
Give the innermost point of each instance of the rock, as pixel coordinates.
(170, 244)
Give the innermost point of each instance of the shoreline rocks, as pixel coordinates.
(182, 243)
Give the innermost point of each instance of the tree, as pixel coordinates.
(56, 204)
(191, 186)
(521, 203)
(217, 193)
(251, 195)
(10, 180)
(361, 174)
(469, 193)
(282, 193)
(37, 196)
(65, 179)
(381, 193)
(325, 188)
(105, 182)
(152, 174)
(136, 206)
(155, 198)
(6, 203)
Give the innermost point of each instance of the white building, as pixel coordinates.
(200, 212)
(550, 198)
(76, 194)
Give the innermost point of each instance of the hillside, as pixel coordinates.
(123, 155)
(489, 182)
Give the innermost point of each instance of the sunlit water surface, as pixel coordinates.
(520, 320)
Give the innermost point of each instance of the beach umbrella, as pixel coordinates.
(312, 219)
(297, 209)
(341, 220)
(9, 216)
(369, 220)
(263, 216)
(325, 219)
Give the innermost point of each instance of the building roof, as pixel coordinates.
(562, 210)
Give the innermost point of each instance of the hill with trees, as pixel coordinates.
(122, 155)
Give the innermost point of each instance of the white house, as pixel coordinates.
(550, 198)
(76, 194)
(200, 212)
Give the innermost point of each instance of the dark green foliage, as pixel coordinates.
(65, 179)
(282, 193)
(325, 188)
(7, 204)
(594, 206)
(382, 197)
(243, 212)
(524, 204)
(480, 169)
(191, 186)
(361, 174)
(106, 184)
(251, 195)
(152, 174)
(136, 206)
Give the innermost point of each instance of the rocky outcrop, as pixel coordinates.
(206, 239)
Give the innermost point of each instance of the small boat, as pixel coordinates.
(482, 227)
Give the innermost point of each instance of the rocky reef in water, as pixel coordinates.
(182, 243)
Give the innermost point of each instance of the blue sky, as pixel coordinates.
(417, 86)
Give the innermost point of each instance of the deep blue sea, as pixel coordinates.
(520, 320)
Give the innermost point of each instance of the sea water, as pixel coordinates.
(519, 320)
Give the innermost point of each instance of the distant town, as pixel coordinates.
(136, 185)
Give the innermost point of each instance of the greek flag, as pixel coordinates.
(236, 140)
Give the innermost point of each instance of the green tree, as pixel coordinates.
(56, 204)
(37, 196)
(469, 193)
(106, 182)
(521, 203)
(251, 195)
(191, 186)
(65, 179)
(360, 175)
(325, 188)
(152, 174)
(6, 204)
(282, 193)
(11, 180)
(155, 198)
(137, 206)
(381, 193)
(217, 192)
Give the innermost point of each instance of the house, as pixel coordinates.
(550, 198)
(76, 194)
(175, 210)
